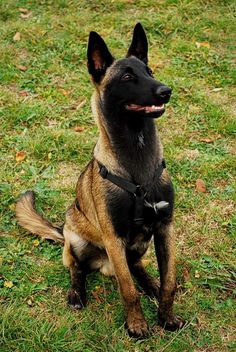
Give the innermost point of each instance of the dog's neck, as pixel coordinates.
(128, 147)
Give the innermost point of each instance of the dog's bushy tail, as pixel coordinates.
(31, 220)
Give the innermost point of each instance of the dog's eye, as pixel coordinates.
(127, 77)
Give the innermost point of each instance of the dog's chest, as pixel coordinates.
(121, 208)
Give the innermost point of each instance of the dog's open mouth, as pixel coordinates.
(146, 109)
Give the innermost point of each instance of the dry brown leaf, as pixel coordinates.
(23, 93)
(41, 304)
(79, 128)
(17, 37)
(25, 16)
(207, 140)
(22, 67)
(202, 44)
(20, 156)
(98, 290)
(186, 274)
(3, 298)
(23, 10)
(64, 92)
(200, 186)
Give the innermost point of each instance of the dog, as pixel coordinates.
(124, 196)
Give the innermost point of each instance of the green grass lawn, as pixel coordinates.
(47, 136)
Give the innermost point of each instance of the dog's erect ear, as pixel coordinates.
(99, 57)
(139, 45)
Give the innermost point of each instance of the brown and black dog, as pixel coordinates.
(124, 197)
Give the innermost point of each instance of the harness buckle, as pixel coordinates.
(139, 191)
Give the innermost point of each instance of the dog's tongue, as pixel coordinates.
(147, 109)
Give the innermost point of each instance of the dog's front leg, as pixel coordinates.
(148, 284)
(136, 323)
(77, 292)
(164, 240)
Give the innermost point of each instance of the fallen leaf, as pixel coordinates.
(186, 274)
(64, 92)
(25, 16)
(23, 93)
(36, 243)
(23, 10)
(207, 140)
(22, 67)
(202, 44)
(29, 302)
(3, 298)
(79, 128)
(197, 274)
(40, 304)
(200, 186)
(8, 284)
(98, 290)
(17, 37)
(20, 156)
(216, 89)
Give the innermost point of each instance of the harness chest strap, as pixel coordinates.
(138, 191)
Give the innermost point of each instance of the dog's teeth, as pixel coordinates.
(147, 109)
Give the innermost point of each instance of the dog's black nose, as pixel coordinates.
(163, 93)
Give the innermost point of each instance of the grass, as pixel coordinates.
(41, 103)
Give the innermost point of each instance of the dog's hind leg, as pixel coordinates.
(148, 284)
(164, 240)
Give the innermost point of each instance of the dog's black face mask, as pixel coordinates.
(134, 90)
(128, 86)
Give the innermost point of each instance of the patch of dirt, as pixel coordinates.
(221, 98)
(190, 154)
(201, 228)
(67, 175)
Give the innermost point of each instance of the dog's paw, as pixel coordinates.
(76, 300)
(171, 323)
(137, 328)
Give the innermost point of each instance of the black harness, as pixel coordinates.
(137, 191)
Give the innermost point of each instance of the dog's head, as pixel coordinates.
(127, 85)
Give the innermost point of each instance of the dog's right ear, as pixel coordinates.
(99, 57)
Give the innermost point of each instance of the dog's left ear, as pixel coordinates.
(139, 45)
(99, 57)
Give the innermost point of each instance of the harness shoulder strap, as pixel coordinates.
(137, 190)
(117, 180)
